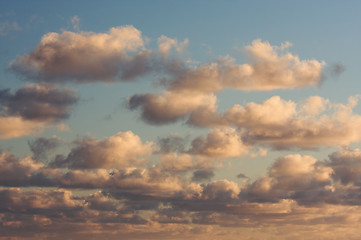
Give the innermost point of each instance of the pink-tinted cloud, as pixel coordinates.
(86, 56)
(124, 149)
(269, 67)
(311, 123)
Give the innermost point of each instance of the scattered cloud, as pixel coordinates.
(7, 27)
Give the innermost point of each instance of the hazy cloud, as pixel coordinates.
(41, 146)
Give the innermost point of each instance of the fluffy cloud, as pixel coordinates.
(222, 143)
(124, 149)
(282, 124)
(86, 56)
(346, 164)
(289, 176)
(269, 67)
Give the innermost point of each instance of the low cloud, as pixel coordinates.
(33, 108)
(170, 106)
(220, 143)
(86, 57)
(124, 149)
(270, 67)
(281, 124)
(40, 147)
(38, 103)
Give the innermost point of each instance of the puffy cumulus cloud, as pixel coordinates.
(15, 199)
(282, 124)
(15, 171)
(38, 103)
(123, 149)
(270, 67)
(86, 57)
(177, 163)
(171, 105)
(220, 190)
(290, 177)
(222, 142)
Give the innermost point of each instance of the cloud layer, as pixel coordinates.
(177, 187)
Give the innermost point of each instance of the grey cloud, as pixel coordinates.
(241, 175)
(202, 175)
(38, 103)
(172, 144)
(346, 164)
(40, 147)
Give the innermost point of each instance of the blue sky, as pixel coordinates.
(168, 119)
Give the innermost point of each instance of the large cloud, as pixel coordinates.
(124, 149)
(282, 124)
(86, 56)
(270, 67)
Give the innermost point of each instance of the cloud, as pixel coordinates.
(291, 177)
(170, 106)
(221, 190)
(75, 21)
(7, 27)
(17, 172)
(41, 146)
(165, 44)
(269, 67)
(33, 108)
(14, 127)
(346, 164)
(220, 143)
(202, 175)
(172, 143)
(123, 149)
(38, 103)
(281, 124)
(86, 57)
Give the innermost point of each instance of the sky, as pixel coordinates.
(180, 119)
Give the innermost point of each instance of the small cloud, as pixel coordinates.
(75, 21)
(241, 175)
(7, 27)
